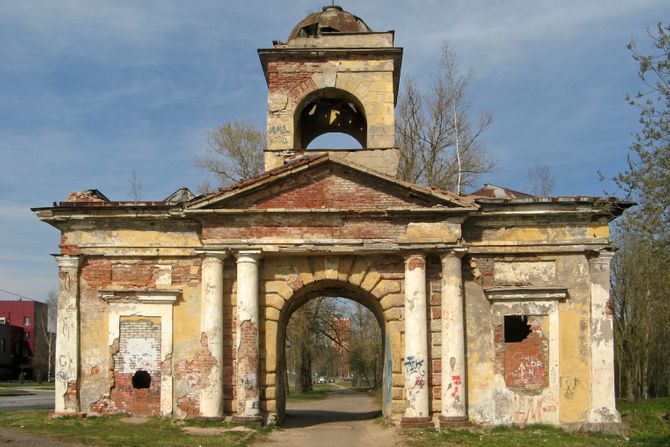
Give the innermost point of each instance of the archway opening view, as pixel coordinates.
(334, 357)
(334, 141)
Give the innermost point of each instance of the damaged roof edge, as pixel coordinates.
(610, 206)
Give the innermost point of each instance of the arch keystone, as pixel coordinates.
(358, 271)
(344, 268)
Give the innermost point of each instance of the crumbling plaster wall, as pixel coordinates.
(369, 80)
(528, 261)
(136, 256)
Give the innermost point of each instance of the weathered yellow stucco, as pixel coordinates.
(599, 231)
(574, 363)
(133, 238)
(223, 274)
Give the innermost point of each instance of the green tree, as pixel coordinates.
(647, 178)
(640, 290)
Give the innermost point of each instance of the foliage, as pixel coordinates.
(234, 152)
(114, 430)
(647, 178)
(365, 347)
(641, 310)
(640, 291)
(439, 144)
(540, 180)
(333, 337)
(312, 338)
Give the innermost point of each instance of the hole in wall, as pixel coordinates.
(141, 379)
(517, 328)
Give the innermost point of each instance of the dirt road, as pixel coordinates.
(344, 418)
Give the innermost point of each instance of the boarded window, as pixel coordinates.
(524, 351)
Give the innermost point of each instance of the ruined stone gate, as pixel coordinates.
(493, 306)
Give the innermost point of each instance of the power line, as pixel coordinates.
(19, 296)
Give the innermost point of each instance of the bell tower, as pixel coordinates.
(333, 75)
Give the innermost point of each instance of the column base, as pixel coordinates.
(248, 420)
(454, 422)
(416, 422)
(212, 418)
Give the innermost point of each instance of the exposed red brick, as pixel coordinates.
(325, 187)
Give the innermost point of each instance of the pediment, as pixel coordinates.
(323, 183)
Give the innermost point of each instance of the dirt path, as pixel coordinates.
(344, 418)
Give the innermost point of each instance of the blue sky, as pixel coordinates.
(92, 90)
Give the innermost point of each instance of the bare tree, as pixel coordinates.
(135, 186)
(365, 351)
(440, 145)
(234, 152)
(45, 330)
(308, 335)
(540, 181)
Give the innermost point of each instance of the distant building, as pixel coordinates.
(24, 340)
(11, 352)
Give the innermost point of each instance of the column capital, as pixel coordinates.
(602, 256)
(68, 261)
(211, 253)
(414, 254)
(249, 256)
(457, 252)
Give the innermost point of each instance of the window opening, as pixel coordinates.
(517, 328)
(141, 379)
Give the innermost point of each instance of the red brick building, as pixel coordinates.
(23, 339)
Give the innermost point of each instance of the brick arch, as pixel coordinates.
(350, 117)
(360, 278)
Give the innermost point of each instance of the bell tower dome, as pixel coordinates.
(333, 75)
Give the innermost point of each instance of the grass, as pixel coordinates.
(114, 431)
(319, 391)
(647, 427)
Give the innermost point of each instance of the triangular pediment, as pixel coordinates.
(321, 182)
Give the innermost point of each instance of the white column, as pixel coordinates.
(67, 336)
(603, 407)
(453, 397)
(416, 343)
(248, 398)
(211, 326)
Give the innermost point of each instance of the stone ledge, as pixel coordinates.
(526, 293)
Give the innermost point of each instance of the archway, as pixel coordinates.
(334, 289)
(329, 110)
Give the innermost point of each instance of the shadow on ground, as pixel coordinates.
(308, 418)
